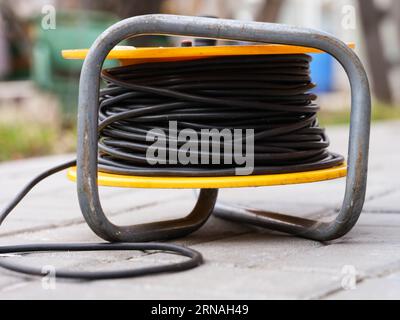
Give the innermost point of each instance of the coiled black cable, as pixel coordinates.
(269, 94)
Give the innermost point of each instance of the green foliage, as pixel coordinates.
(23, 140)
(380, 112)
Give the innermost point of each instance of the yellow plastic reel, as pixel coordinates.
(130, 55)
(125, 181)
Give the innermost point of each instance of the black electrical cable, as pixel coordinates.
(194, 261)
(195, 258)
(269, 94)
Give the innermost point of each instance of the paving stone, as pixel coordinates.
(381, 288)
(205, 282)
(385, 203)
(240, 261)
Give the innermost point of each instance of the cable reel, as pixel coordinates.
(264, 86)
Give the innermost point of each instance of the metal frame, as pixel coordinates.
(231, 30)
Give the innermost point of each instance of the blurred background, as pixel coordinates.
(39, 89)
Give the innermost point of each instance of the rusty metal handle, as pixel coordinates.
(230, 30)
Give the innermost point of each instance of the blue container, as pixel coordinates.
(322, 72)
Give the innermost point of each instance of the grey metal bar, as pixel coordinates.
(230, 30)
